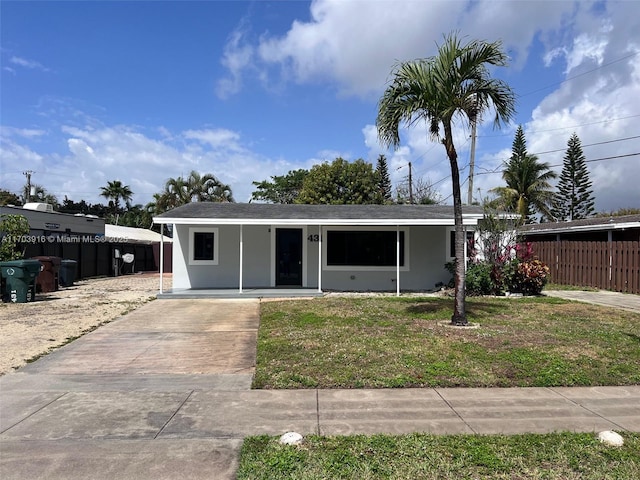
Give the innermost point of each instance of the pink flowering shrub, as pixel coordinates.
(515, 270)
(523, 273)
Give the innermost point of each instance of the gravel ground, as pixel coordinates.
(28, 330)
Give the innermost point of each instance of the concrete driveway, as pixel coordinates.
(625, 301)
(98, 407)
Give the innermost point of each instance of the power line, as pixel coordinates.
(568, 79)
(563, 128)
(606, 158)
(587, 161)
(589, 145)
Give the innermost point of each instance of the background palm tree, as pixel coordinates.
(453, 85)
(528, 189)
(207, 188)
(195, 188)
(116, 191)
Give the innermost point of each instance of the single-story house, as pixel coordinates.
(248, 246)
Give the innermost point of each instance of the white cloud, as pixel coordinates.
(237, 56)
(97, 155)
(216, 138)
(356, 47)
(8, 131)
(30, 64)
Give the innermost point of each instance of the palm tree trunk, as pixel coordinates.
(459, 310)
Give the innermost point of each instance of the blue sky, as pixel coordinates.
(144, 91)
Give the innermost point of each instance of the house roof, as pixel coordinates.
(119, 233)
(202, 213)
(591, 224)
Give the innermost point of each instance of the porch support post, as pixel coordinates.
(397, 260)
(161, 254)
(319, 258)
(465, 249)
(241, 249)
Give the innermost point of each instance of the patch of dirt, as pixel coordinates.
(28, 330)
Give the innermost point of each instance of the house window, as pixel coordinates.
(452, 242)
(363, 248)
(203, 246)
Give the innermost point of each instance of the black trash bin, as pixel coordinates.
(20, 278)
(67, 274)
(47, 280)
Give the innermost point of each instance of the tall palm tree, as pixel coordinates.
(453, 85)
(116, 191)
(528, 189)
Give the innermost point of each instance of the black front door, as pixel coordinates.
(289, 257)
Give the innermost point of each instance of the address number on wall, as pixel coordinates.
(314, 238)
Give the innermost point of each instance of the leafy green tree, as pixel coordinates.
(8, 198)
(115, 191)
(12, 227)
(137, 216)
(453, 85)
(281, 188)
(384, 180)
(69, 206)
(528, 190)
(340, 182)
(574, 199)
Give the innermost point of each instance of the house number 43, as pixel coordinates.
(314, 238)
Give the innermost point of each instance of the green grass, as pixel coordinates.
(377, 342)
(555, 456)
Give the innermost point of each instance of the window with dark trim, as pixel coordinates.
(452, 242)
(370, 248)
(203, 243)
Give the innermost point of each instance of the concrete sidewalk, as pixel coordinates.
(163, 393)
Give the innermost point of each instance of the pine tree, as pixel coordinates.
(384, 181)
(519, 146)
(574, 199)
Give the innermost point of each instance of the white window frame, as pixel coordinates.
(216, 243)
(366, 268)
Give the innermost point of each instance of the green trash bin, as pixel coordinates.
(67, 273)
(20, 278)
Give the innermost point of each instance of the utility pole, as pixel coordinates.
(28, 174)
(472, 163)
(410, 186)
(472, 159)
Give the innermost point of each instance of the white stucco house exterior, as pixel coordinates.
(250, 247)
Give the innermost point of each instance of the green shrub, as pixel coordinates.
(478, 279)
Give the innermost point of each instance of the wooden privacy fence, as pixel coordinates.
(606, 265)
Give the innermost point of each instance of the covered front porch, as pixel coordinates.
(194, 293)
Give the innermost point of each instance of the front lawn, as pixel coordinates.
(551, 456)
(376, 342)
